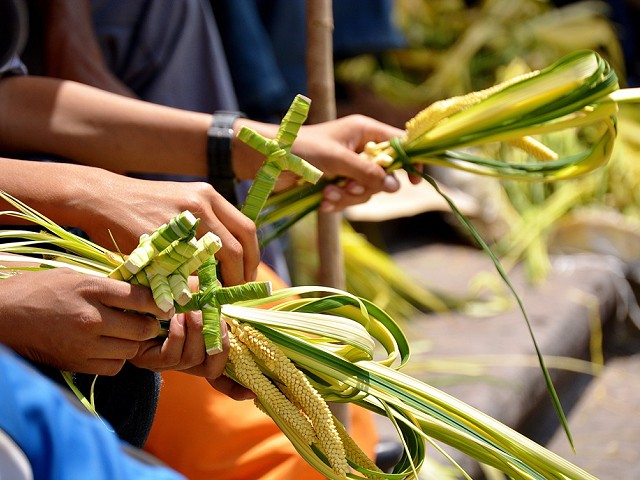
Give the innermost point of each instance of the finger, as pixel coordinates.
(178, 351)
(125, 296)
(193, 351)
(109, 348)
(240, 253)
(415, 179)
(128, 325)
(231, 262)
(285, 180)
(194, 284)
(108, 367)
(149, 356)
(213, 365)
(229, 256)
(248, 239)
(338, 198)
(377, 131)
(354, 167)
(390, 184)
(170, 353)
(231, 389)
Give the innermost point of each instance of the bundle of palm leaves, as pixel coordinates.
(297, 356)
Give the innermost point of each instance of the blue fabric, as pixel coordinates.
(255, 68)
(13, 29)
(625, 17)
(13, 67)
(61, 440)
(265, 41)
(127, 400)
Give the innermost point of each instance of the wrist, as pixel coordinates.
(86, 202)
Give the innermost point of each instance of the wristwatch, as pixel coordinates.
(220, 136)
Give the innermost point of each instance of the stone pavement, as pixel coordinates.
(606, 423)
(570, 313)
(605, 420)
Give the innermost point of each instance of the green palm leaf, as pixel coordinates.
(333, 338)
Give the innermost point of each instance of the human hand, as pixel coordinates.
(76, 322)
(333, 147)
(231, 389)
(184, 350)
(128, 207)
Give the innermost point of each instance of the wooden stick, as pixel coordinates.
(321, 90)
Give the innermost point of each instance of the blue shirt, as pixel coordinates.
(13, 67)
(60, 439)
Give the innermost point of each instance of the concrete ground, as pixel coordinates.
(577, 313)
(605, 423)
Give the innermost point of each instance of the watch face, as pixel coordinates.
(13, 29)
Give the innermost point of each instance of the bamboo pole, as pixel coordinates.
(321, 90)
(321, 87)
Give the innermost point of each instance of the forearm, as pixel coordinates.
(93, 127)
(66, 193)
(114, 210)
(103, 204)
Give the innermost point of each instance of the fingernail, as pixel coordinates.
(390, 184)
(224, 333)
(167, 315)
(327, 207)
(333, 195)
(355, 189)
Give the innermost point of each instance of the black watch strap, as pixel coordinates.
(220, 136)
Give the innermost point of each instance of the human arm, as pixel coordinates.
(84, 323)
(93, 127)
(332, 146)
(100, 202)
(87, 125)
(109, 207)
